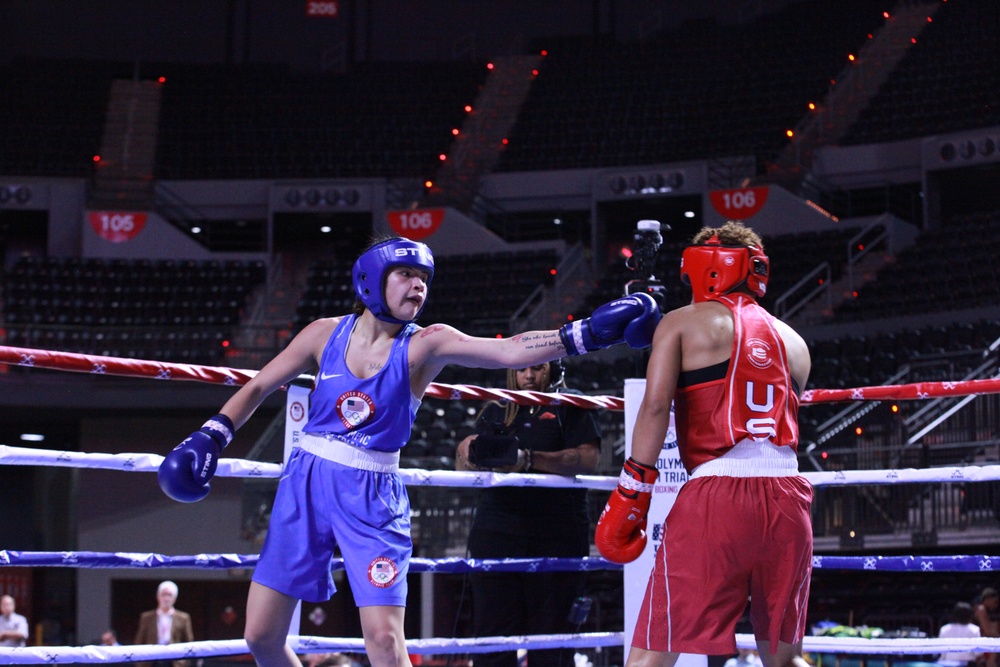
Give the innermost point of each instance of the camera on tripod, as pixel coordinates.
(643, 261)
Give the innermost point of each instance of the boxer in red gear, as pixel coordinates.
(740, 527)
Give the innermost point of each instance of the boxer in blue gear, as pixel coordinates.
(340, 486)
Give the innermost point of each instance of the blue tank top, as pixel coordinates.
(373, 413)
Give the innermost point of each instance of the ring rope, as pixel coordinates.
(46, 655)
(121, 560)
(10, 455)
(103, 365)
(160, 370)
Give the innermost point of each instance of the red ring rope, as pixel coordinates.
(161, 370)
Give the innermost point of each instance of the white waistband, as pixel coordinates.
(332, 448)
(750, 458)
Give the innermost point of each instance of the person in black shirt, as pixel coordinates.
(518, 522)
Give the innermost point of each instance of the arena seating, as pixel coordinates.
(165, 310)
(52, 115)
(702, 90)
(378, 119)
(476, 293)
(952, 266)
(943, 83)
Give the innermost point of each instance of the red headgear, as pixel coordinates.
(713, 269)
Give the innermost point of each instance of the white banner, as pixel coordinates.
(672, 476)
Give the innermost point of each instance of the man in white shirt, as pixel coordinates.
(962, 626)
(13, 627)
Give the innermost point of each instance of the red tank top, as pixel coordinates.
(754, 400)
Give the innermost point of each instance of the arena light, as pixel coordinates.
(32, 437)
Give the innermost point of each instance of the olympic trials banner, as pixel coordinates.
(672, 476)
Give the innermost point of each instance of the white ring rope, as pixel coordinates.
(129, 462)
(47, 655)
(126, 462)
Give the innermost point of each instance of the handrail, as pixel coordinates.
(823, 286)
(855, 257)
(567, 271)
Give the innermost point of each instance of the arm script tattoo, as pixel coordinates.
(536, 340)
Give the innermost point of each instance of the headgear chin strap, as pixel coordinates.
(713, 269)
(371, 268)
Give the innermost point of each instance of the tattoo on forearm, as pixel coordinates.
(571, 457)
(537, 340)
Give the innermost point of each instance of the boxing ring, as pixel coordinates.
(228, 467)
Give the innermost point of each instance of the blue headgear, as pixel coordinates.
(372, 266)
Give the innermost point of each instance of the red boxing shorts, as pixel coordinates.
(727, 538)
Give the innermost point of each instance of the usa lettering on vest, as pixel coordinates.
(761, 426)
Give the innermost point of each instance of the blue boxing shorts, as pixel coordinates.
(322, 504)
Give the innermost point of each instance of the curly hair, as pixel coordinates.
(732, 233)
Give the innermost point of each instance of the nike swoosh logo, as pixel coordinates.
(327, 376)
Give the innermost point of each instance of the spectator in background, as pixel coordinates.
(983, 615)
(13, 626)
(530, 522)
(109, 638)
(165, 625)
(960, 627)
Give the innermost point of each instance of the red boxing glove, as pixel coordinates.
(621, 530)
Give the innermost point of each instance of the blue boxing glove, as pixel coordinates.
(186, 471)
(631, 319)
